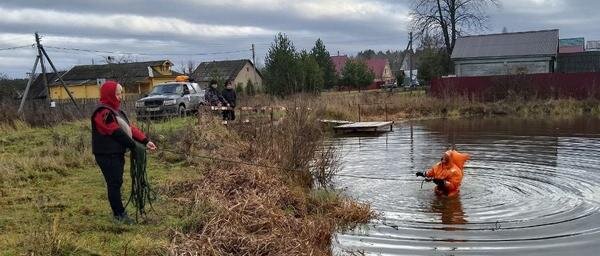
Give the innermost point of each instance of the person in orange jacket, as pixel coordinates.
(448, 173)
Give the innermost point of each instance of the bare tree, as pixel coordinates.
(449, 19)
(187, 67)
(191, 66)
(118, 60)
(123, 75)
(182, 67)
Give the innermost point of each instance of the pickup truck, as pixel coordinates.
(170, 99)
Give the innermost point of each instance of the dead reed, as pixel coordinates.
(237, 209)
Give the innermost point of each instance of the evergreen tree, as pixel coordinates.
(434, 63)
(311, 74)
(323, 58)
(250, 88)
(357, 74)
(281, 67)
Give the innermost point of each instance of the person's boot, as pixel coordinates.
(124, 219)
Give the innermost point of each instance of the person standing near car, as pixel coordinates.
(112, 135)
(213, 96)
(230, 98)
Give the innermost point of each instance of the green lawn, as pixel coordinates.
(53, 196)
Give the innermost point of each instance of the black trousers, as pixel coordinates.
(229, 115)
(112, 166)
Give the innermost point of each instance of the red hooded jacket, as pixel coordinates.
(107, 126)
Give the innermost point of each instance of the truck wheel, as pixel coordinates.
(182, 112)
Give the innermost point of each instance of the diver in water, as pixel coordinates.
(448, 173)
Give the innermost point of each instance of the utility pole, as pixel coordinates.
(31, 76)
(44, 77)
(409, 53)
(253, 55)
(410, 59)
(255, 83)
(40, 59)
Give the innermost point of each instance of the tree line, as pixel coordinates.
(288, 71)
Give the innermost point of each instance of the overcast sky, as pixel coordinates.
(202, 30)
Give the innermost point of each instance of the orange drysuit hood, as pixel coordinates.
(456, 158)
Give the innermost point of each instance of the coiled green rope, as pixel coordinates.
(141, 192)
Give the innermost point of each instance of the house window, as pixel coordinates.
(247, 69)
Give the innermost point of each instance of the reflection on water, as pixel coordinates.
(450, 211)
(532, 187)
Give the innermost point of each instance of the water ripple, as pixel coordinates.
(532, 187)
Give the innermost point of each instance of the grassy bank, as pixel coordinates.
(53, 197)
(379, 105)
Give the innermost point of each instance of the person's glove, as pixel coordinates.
(439, 182)
(420, 174)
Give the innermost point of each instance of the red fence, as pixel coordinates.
(489, 88)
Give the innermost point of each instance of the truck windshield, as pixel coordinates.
(167, 89)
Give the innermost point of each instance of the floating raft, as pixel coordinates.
(335, 122)
(365, 127)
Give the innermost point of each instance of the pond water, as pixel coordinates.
(532, 187)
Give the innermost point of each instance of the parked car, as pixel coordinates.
(170, 99)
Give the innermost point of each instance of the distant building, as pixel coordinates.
(593, 45)
(579, 62)
(507, 53)
(39, 90)
(137, 78)
(571, 45)
(240, 71)
(382, 70)
(379, 66)
(339, 62)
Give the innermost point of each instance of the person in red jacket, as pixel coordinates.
(448, 173)
(112, 135)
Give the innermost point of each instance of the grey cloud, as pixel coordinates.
(345, 34)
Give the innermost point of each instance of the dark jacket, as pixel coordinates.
(213, 97)
(230, 97)
(115, 143)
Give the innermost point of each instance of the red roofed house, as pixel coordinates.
(339, 62)
(380, 67)
(382, 70)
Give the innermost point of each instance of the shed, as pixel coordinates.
(528, 52)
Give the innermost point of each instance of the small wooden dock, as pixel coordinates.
(365, 127)
(330, 122)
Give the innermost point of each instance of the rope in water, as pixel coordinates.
(141, 192)
(274, 167)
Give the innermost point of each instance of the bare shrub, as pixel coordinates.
(327, 163)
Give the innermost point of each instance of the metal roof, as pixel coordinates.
(531, 43)
(113, 70)
(226, 69)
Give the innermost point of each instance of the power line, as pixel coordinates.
(16, 47)
(145, 54)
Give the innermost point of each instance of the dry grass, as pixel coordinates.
(397, 106)
(250, 210)
(54, 202)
